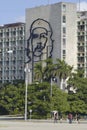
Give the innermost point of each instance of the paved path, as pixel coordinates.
(26, 125)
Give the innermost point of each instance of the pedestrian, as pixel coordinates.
(78, 118)
(70, 118)
(55, 117)
(60, 118)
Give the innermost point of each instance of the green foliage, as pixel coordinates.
(40, 100)
(59, 100)
(46, 69)
(63, 70)
(78, 101)
(11, 101)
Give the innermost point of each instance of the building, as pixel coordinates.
(56, 31)
(51, 31)
(12, 46)
(82, 40)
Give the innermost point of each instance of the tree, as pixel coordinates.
(59, 100)
(62, 69)
(41, 102)
(11, 99)
(49, 69)
(44, 70)
(39, 71)
(78, 100)
(39, 99)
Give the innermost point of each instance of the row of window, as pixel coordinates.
(64, 31)
(82, 22)
(12, 36)
(13, 43)
(82, 54)
(6, 69)
(11, 33)
(12, 29)
(12, 78)
(14, 39)
(80, 65)
(81, 44)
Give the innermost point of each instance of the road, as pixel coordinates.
(27, 125)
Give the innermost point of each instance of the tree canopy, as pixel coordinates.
(40, 99)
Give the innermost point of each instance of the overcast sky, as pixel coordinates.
(14, 10)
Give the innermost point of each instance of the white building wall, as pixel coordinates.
(71, 35)
(51, 13)
(54, 15)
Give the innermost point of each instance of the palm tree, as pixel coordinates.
(44, 70)
(62, 70)
(74, 79)
(49, 69)
(39, 71)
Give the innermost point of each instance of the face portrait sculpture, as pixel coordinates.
(39, 43)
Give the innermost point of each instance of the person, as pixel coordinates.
(60, 118)
(70, 117)
(55, 117)
(78, 118)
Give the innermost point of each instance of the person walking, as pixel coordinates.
(70, 117)
(78, 118)
(55, 117)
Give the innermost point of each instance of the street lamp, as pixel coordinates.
(30, 113)
(53, 79)
(10, 51)
(51, 88)
(27, 72)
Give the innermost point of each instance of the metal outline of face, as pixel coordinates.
(39, 39)
(31, 38)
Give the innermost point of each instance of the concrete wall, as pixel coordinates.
(53, 14)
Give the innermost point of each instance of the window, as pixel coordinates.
(64, 30)
(64, 42)
(64, 57)
(78, 23)
(64, 8)
(64, 52)
(64, 19)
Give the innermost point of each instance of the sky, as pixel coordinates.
(12, 11)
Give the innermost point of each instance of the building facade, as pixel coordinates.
(82, 41)
(51, 30)
(12, 46)
(56, 31)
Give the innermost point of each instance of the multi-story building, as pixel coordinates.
(12, 44)
(82, 41)
(56, 31)
(51, 30)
